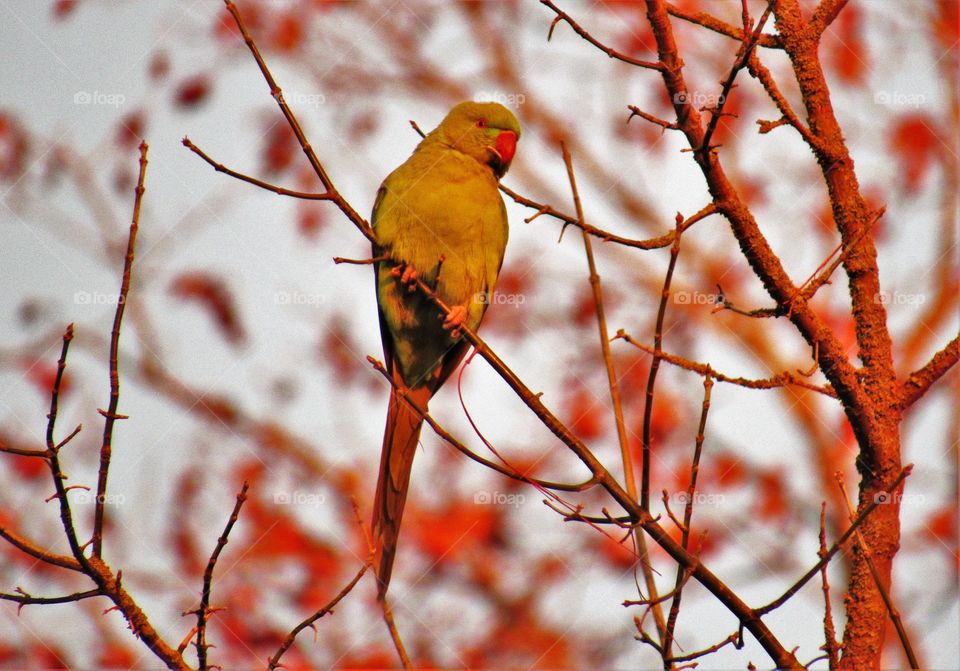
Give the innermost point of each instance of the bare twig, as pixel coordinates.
(274, 661)
(279, 190)
(615, 399)
(654, 368)
(688, 516)
(25, 599)
(579, 30)
(830, 646)
(636, 111)
(276, 93)
(37, 552)
(920, 381)
(66, 514)
(782, 379)
(844, 537)
(746, 48)
(204, 610)
(110, 414)
(395, 634)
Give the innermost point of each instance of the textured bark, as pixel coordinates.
(879, 456)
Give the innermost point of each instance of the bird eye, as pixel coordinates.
(481, 123)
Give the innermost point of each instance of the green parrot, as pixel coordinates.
(439, 217)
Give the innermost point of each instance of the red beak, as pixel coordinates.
(506, 146)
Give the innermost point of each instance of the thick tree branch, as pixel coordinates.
(920, 381)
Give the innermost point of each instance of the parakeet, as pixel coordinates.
(439, 217)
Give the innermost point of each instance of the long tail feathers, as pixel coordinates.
(400, 437)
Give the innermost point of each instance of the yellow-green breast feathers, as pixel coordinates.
(443, 203)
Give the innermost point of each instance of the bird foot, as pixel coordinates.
(407, 274)
(454, 320)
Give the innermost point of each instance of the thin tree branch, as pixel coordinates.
(861, 518)
(25, 599)
(110, 415)
(615, 399)
(782, 379)
(654, 368)
(579, 30)
(274, 661)
(204, 609)
(466, 451)
(56, 472)
(746, 48)
(395, 634)
(279, 190)
(277, 94)
(37, 552)
(688, 517)
(920, 381)
(830, 646)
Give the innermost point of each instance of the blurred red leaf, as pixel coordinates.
(62, 8)
(378, 658)
(946, 27)
(287, 32)
(771, 495)
(618, 554)
(310, 220)
(42, 374)
(280, 147)
(192, 91)
(113, 655)
(846, 51)
(584, 310)
(338, 350)
(14, 148)
(941, 525)
(213, 296)
(586, 415)
(159, 66)
(730, 471)
(44, 655)
(914, 142)
(182, 541)
(458, 529)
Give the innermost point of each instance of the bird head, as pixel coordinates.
(487, 132)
